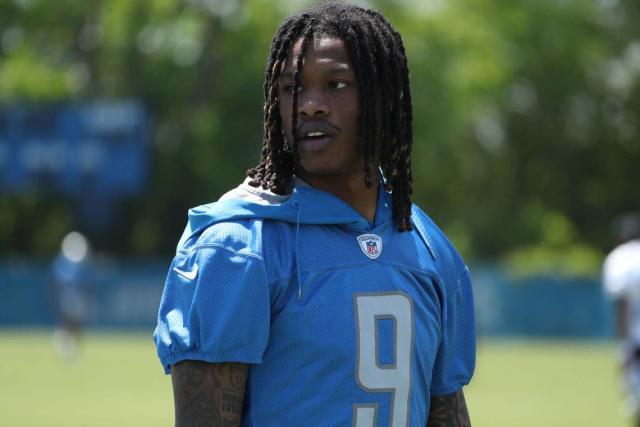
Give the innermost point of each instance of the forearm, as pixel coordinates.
(449, 410)
(207, 394)
(622, 306)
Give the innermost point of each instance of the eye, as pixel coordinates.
(336, 84)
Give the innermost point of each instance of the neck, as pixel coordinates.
(351, 189)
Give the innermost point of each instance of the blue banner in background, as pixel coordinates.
(126, 294)
(99, 147)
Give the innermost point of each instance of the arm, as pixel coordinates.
(622, 307)
(449, 410)
(208, 394)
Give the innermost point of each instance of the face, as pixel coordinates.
(328, 109)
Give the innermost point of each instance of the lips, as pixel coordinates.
(315, 130)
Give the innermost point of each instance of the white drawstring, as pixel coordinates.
(298, 272)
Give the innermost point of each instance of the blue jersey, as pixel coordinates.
(343, 322)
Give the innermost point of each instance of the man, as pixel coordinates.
(71, 280)
(621, 280)
(312, 295)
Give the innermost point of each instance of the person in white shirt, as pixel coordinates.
(621, 281)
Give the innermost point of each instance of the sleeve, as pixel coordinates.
(456, 357)
(614, 277)
(215, 308)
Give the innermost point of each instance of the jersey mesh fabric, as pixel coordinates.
(304, 347)
(223, 313)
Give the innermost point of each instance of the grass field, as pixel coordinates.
(550, 384)
(117, 381)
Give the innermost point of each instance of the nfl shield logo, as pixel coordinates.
(371, 245)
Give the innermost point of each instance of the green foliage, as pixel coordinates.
(572, 260)
(27, 76)
(559, 252)
(524, 110)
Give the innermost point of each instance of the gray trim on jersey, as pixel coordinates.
(364, 417)
(258, 194)
(357, 359)
(393, 318)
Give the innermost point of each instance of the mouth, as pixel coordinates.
(314, 141)
(313, 136)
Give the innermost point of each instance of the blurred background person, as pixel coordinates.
(621, 279)
(71, 278)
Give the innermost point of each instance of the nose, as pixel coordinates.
(312, 104)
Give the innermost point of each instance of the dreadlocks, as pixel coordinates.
(380, 64)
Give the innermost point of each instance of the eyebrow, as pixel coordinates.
(334, 69)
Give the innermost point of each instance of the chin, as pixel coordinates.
(317, 168)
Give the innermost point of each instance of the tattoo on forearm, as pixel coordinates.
(449, 411)
(207, 394)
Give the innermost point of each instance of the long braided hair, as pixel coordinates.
(380, 64)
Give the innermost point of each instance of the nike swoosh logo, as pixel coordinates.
(189, 275)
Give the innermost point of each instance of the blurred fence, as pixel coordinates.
(545, 305)
(126, 294)
(122, 295)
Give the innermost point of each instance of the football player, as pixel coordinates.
(316, 293)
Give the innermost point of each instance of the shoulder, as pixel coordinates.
(240, 236)
(447, 258)
(266, 240)
(621, 259)
(622, 267)
(625, 253)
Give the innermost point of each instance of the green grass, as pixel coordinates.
(550, 384)
(117, 381)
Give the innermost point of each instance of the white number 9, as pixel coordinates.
(370, 375)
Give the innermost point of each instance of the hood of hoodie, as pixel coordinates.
(305, 205)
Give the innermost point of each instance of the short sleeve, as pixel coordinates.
(617, 275)
(214, 308)
(456, 357)
(614, 285)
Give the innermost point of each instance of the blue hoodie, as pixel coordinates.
(336, 315)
